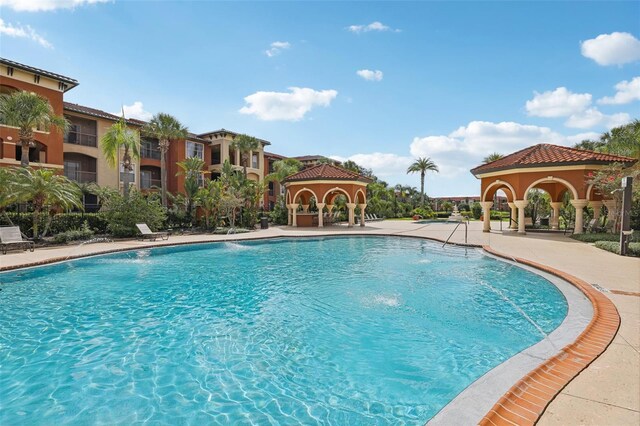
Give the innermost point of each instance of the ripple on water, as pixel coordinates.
(338, 331)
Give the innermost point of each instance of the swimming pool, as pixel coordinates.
(336, 330)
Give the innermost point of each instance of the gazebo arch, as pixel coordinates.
(551, 168)
(325, 179)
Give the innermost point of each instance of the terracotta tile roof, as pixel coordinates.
(545, 154)
(71, 83)
(68, 106)
(328, 172)
(272, 155)
(223, 131)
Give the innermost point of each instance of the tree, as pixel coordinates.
(492, 157)
(44, 188)
(117, 137)
(245, 144)
(192, 169)
(165, 128)
(209, 198)
(422, 165)
(28, 111)
(282, 169)
(8, 193)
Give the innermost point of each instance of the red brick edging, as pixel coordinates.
(525, 402)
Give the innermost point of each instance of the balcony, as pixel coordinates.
(146, 152)
(78, 138)
(81, 176)
(148, 183)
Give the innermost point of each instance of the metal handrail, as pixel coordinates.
(455, 229)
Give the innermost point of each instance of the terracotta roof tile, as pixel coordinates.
(549, 155)
(71, 82)
(326, 171)
(68, 106)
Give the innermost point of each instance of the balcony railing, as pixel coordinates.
(81, 177)
(147, 183)
(78, 138)
(150, 153)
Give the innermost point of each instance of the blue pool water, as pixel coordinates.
(366, 330)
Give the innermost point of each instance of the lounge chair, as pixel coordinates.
(11, 237)
(147, 234)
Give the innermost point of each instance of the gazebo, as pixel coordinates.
(324, 182)
(552, 168)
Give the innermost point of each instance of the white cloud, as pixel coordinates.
(45, 5)
(374, 26)
(558, 103)
(292, 106)
(135, 110)
(612, 49)
(627, 91)
(370, 75)
(382, 164)
(593, 117)
(20, 31)
(577, 138)
(277, 47)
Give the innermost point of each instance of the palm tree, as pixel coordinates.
(28, 111)
(120, 136)
(8, 193)
(245, 144)
(192, 169)
(165, 128)
(44, 188)
(282, 169)
(422, 165)
(492, 157)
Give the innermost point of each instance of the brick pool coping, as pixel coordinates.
(525, 402)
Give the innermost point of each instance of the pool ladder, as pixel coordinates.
(455, 229)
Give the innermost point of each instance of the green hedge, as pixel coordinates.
(61, 222)
(614, 247)
(592, 238)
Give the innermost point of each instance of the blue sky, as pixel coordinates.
(377, 82)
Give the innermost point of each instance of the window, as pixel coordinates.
(132, 173)
(254, 161)
(215, 154)
(36, 79)
(201, 180)
(9, 71)
(270, 188)
(195, 149)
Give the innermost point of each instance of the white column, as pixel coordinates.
(352, 209)
(294, 223)
(320, 214)
(362, 207)
(289, 214)
(555, 219)
(486, 212)
(305, 208)
(514, 213)
(611, 210)
(579, 205)
(596, 206)
(521, 204)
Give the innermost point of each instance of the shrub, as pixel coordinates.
(476, 210)
(614, 247)
(592, 238)
(464, 207)
(61, 222)
(280, 214)
(83, 233)
(425, 212)
(122, 213)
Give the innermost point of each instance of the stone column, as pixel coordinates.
(352, 209)
(579, 205)
(294, 223)
(362, 207)
(521, 204)
(305, 208)
(555, 220)
(320, 214)
(514, 213)
(596, 206)
(289, 214)
(611, 210)
(486, 212)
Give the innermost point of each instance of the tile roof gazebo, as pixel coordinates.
(324, 182)
(552, 168)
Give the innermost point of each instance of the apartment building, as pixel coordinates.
(78, 155)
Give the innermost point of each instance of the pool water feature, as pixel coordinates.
(360, 330)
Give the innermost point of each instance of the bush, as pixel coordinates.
(425, 212)
(476, 210)
(61, 222)
(122, 214)
(83, 233)
(614, 247)
(592, 238)
(464, 207)
(280, 214)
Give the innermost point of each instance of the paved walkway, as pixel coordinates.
(608, 392)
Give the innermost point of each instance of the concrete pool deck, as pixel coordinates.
(607, 392)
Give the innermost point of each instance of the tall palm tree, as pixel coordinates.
(492, 157)
(422, 165)
(165, 128)
(119, 136)
(245, 144)
(28, 111)
(45, 188)
(192, 169)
